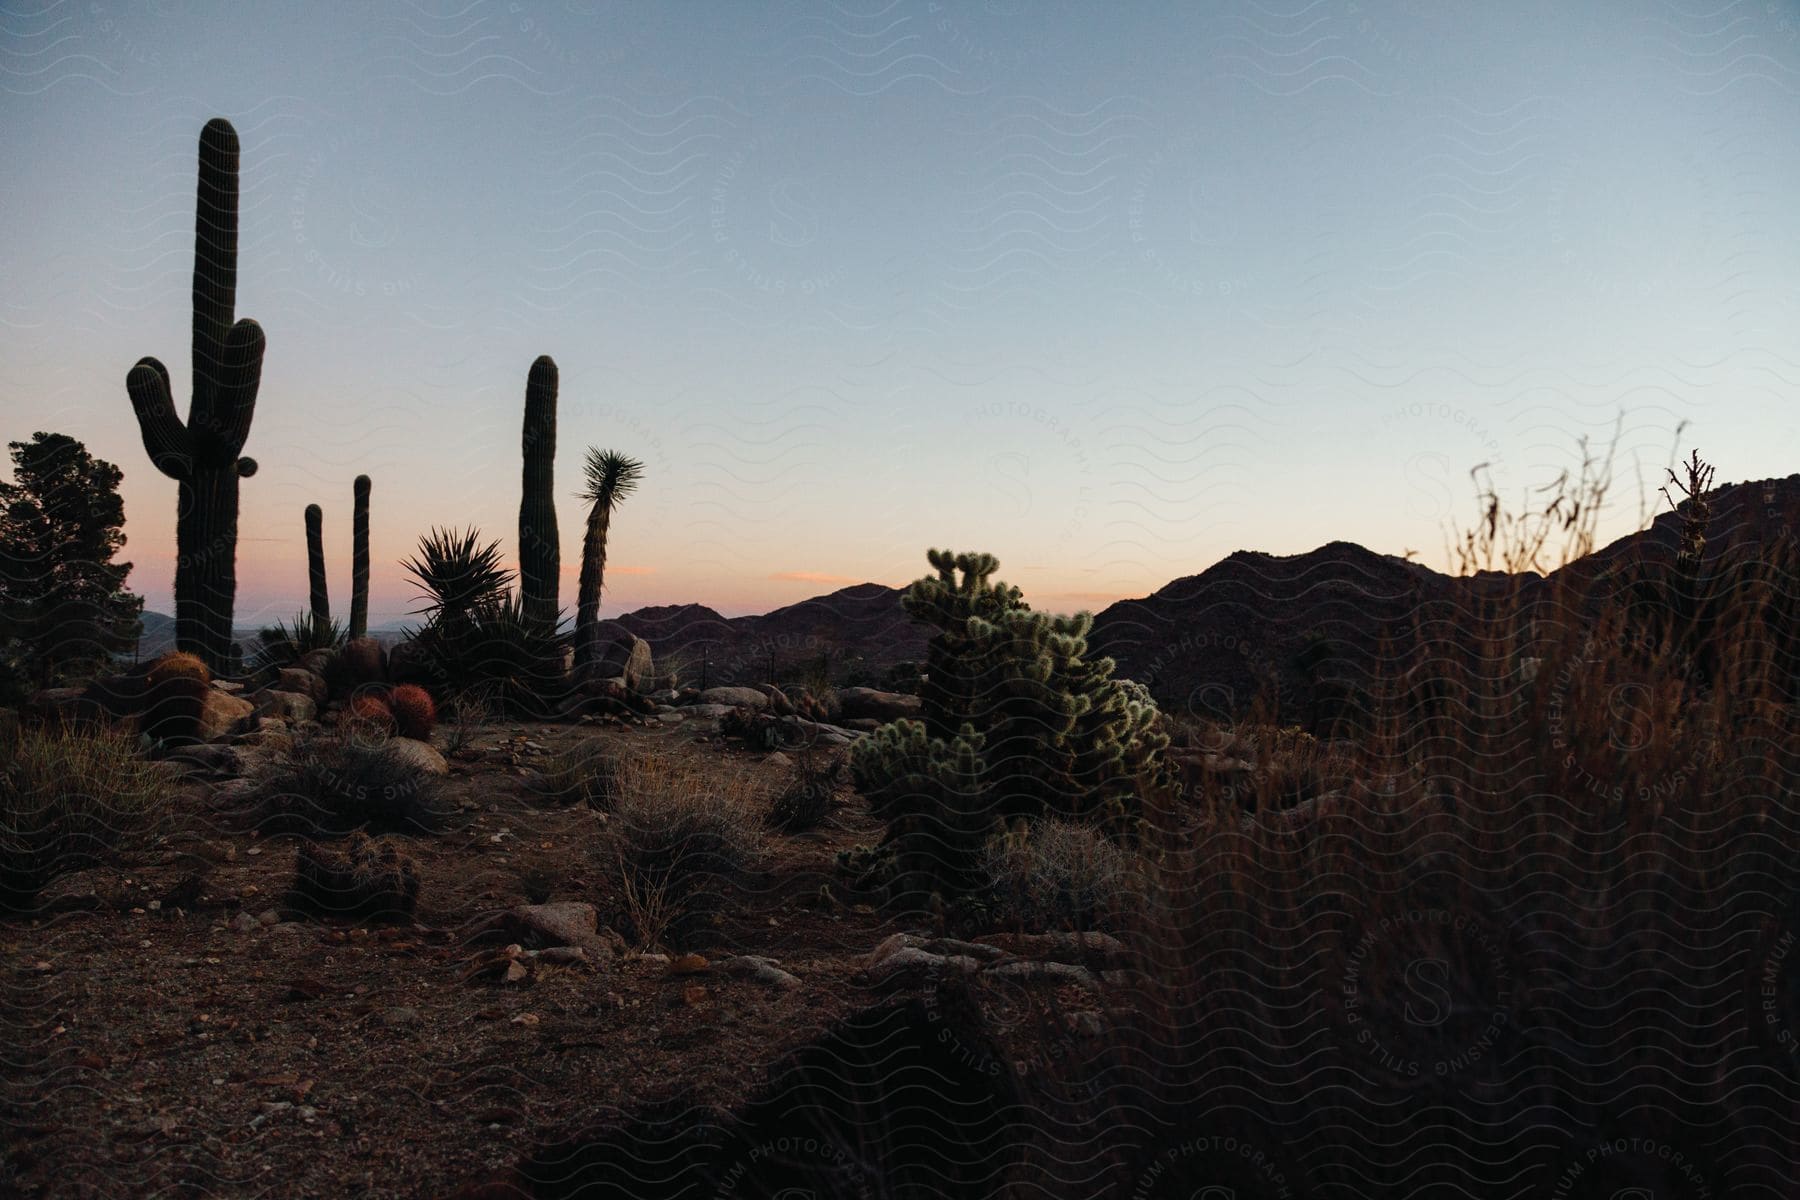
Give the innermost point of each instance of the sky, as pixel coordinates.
(1107, 290)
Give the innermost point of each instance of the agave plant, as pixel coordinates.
(456, 574)
(282, 645)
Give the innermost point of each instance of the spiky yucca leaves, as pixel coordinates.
(456, 574)
(282, 645)
(611, 477)
(1017, 722)
(204, 454)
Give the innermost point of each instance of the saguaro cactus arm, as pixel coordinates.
(165, 437)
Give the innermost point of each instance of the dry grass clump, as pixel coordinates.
(801, 805)
(1056, 874)
(66, 800)
(1552, 912)
(330, 786)
(368, 879)
(680, 833)
(588, 771)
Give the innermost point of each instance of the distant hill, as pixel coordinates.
(1298, 630)
(1287, 628)
(856, 631)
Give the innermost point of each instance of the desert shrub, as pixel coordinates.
(331, 786)
(584, 772)
(802, 804)
(1060, 875)
(415, 715)
(65, 800)
(679, 834)
(477, 634)
(1598, 868)
(467, 712)
(369, 714)
(1017, 721)
(367, 879)
(284, 644)
(177, 664)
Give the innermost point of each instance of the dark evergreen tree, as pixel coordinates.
(64, 609)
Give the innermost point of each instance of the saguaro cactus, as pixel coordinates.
(540, 558)
(359, 560)
(204, 455)
(315, 566)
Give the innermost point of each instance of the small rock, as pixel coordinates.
(268, 917)
(243, 923)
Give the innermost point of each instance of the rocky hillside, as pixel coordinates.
(1301, 631)
(856, 631)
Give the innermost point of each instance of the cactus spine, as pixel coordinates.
(204, 455)
(540, 558)
(315, 566)
(359, 560)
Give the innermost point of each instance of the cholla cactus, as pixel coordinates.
(1017, 722)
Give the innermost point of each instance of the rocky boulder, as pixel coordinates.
(628, 657)
(861, 703)
(222, 714)
(418, 755)
(301, 681)
(291, 707)
(736, 697)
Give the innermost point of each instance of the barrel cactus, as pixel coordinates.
(204, 455)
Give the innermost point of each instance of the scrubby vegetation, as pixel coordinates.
(366, 879)
(330, 786)
(677, 838)
(588, 772)
(1018, 723)
(803, 803)
(65, 801)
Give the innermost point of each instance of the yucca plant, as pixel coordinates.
(456, 574)
(611, 477)
(283, 644)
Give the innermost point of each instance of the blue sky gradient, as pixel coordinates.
(1107, 290)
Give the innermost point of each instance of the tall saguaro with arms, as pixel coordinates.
(204, 455)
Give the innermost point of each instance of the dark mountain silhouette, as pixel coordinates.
(855, 629)
(1299, 632)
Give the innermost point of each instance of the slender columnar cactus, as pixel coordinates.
(315, 566)
(359, 560)
(539, 556)
(204, 455)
